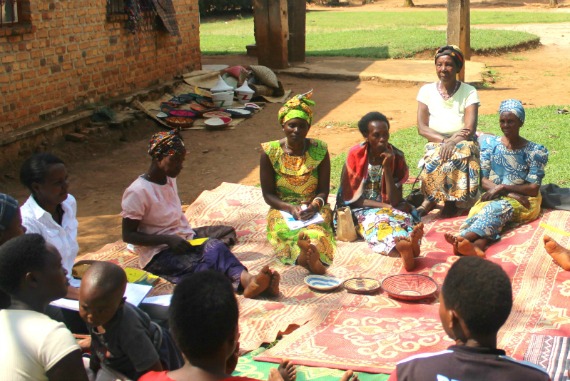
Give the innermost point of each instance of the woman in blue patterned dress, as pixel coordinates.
(512, 169)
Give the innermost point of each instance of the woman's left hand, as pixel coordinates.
(493, 193)
(387, 158)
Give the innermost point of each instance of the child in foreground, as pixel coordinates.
(475, 301)
(204, 322)
(123, 338)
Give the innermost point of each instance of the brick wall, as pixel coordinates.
(66, 54)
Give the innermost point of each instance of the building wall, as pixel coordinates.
(66, 54)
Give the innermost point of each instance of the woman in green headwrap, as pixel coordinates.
(295, 178)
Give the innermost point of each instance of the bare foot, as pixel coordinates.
(349, 375)
(451, 239)
(560, 254)
(257, 284)
(466, 247)
(404, 247)
(309, 251)
(273, 289)
(416, 237)
(288, 370)
(274, 375)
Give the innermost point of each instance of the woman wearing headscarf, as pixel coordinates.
(154, 223)
(512, 169)
(295, 178)
(447, 118)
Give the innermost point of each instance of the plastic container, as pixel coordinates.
(223, 99)
(244, 93)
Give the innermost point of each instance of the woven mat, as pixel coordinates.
(540, 288)
(550, 352)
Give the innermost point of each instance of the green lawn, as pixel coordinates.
(544, 125)
(377, 34)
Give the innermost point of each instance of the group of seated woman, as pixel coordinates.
(456, 166)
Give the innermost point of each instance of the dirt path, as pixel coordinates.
(102, 168)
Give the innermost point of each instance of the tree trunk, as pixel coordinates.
(410, 3)
(554, 3)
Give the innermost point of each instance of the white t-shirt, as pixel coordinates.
(63, 237)
(447, 116)
(32, 344)
(159, 210)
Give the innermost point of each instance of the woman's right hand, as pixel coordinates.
(177, 244)
(446, 150)
(295, 211)
(493, 193)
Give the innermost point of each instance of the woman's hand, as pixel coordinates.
(301, 214)
(446, 150)
(387, 158)
(309, 212)
(523, 200)
(493, 193)
(177, 243)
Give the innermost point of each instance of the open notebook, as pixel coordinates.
(134, 293)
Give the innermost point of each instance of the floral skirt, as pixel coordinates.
(488, 219)
(457, 179)
(284, 240)
(379, 227)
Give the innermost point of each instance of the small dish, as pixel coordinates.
(182, 113)
(409, 286)
(216, 114)
(162, 115)
(218, 123)
(179, 122)
(238, 112)
(362, 285)
(322, 283)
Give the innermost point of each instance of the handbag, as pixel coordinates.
(345, 229)
(416, 197)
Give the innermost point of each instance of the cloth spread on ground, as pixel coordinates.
(372, 332)
(550, 352)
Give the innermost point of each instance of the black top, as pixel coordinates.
(461, 363)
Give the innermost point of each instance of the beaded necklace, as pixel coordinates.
(447, 96)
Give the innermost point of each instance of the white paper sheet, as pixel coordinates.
(134, 293)
(161, 300)
(294, 224)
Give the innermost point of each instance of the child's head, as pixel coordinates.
(476, 299)
(32, 267)
(101, 292)
(204, 315)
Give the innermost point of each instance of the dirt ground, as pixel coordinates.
(103, 167)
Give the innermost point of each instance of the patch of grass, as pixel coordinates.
(543, 125)
(378, 34)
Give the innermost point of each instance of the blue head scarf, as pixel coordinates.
(8, 209)
(514, 106)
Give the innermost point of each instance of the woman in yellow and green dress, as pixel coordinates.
(295, 178)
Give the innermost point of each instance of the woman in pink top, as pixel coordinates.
(154, 223)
